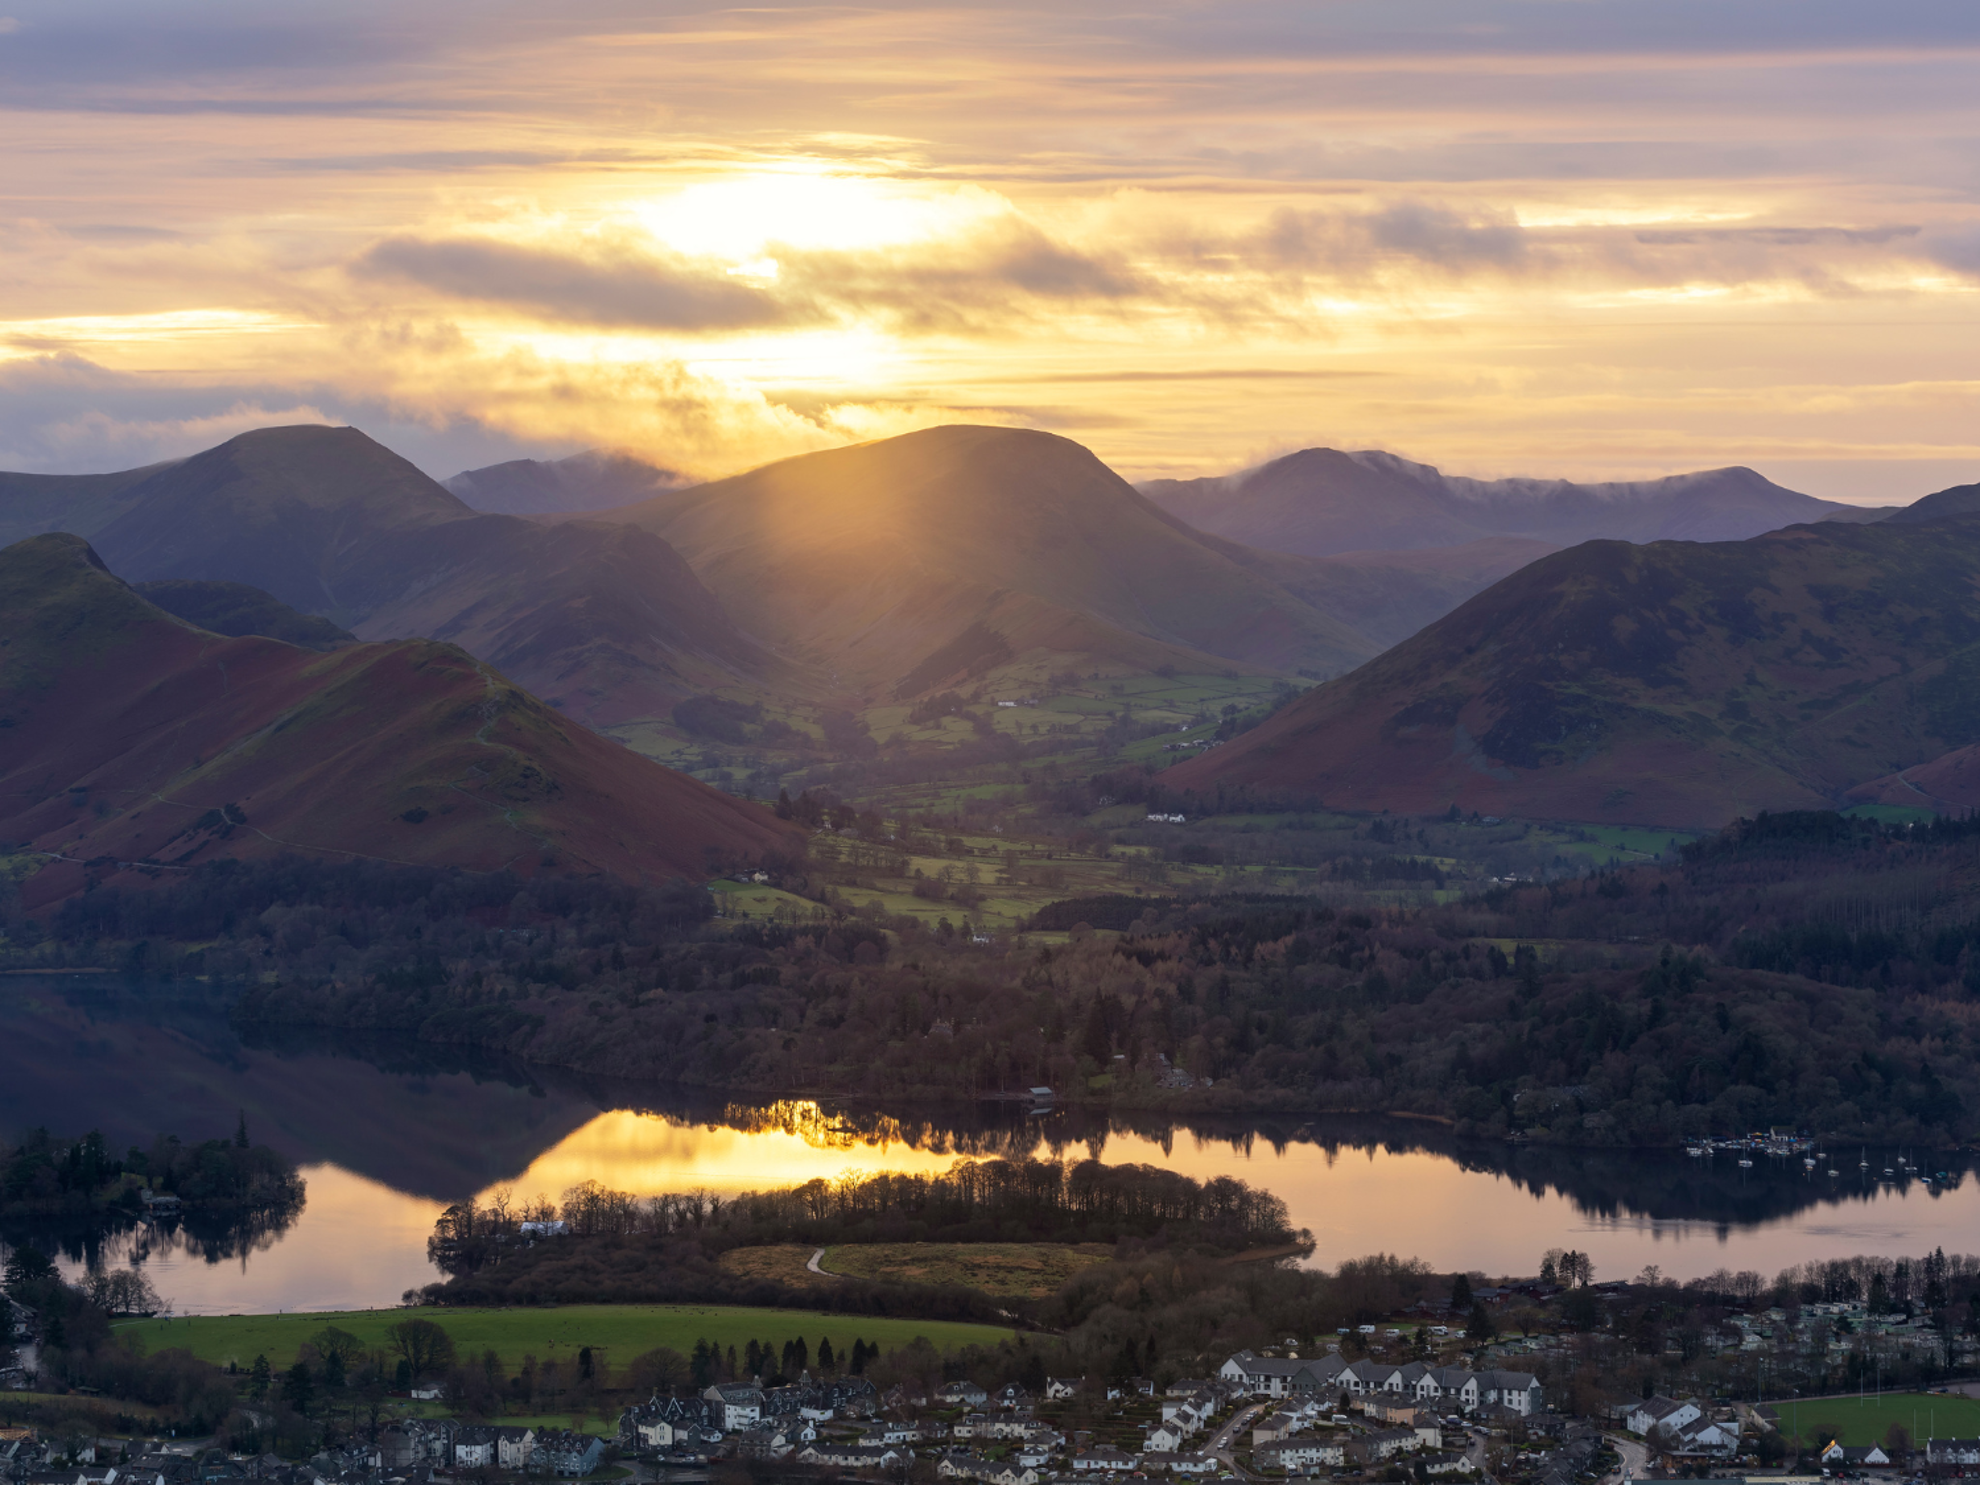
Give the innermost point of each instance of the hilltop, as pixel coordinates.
(923, 561)
(603, 622)
(1320, 502)
(139, 742)
(1675, 683)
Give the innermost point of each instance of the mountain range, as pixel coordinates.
(139, 742)
(595, 480)
(600, 620)
(917, 562)
(1674, 683)
(1322, 502)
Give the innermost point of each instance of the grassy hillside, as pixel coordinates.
(1674, 684)
(621, 1331)
(921, 562)
(138, 742)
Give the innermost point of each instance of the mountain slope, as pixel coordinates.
(604, 622)
(1671, 684)
(592, 481)
(905, 565)
(83, 503)
(236, 609)
(136, 741)
(295, 511)
(1319, 502)
(1960, 500)
(1388, 596)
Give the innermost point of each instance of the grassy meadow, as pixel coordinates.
(620, 1331)
(1005, 1270)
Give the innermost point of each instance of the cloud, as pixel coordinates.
(63, 412)
(8, 25)
(611, 287)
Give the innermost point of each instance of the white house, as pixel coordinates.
(737, 1405)
(1657, 1411)
(1519, 1391)
(1296, 1454)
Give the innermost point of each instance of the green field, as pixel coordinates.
(1865, 1421)
(621, 1331)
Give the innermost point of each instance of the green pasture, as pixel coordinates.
(1860, 1421)
(620, 1331)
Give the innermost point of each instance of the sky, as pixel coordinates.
(1579, 238)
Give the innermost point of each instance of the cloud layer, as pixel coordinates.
(1585, 239)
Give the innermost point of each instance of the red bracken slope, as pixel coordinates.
(135, 741)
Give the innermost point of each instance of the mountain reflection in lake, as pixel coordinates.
(389, 1132)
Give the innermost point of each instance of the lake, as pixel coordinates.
(388, 1133)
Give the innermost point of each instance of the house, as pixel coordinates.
(1104, 1459)
(966, 1394)
(1281, 1376)
(1702, 1437)
(735, 1405)
(474, 1447)
(662, 1422)
(559, 1451)
(1656, 1411)
(1058, 1389)
(1300, 1453)
(1449, 1387)
(1382, 1443)
(1519, 1391)
(1447, 1464)
(961, 1466)
(849, 1456)
(1012, 1396)
(1952, 1451)
(1195, 1462)
(1166, 1438)
(772, 1439)
(1855, 1458)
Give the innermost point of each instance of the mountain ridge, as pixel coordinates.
(1675, 683)
(1321, 502)
(139, 743)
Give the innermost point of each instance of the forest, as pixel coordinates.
(44, 1177)
(1805, 970)
(611, 1245)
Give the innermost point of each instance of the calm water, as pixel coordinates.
(389, 1133)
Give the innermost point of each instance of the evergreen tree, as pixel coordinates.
(240, 1131)
(296, 1388)
(1461, 1292)
(827, 1362)
(259, 1377)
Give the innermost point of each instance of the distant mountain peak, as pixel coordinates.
(1319, 502)
(591, 480)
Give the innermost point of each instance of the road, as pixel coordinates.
(1219, 1446)
(1634, 1460)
